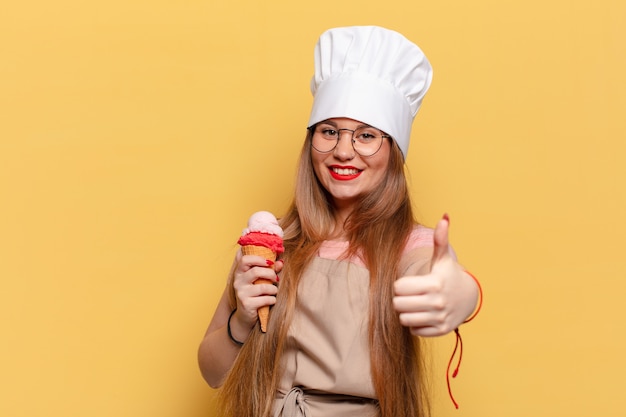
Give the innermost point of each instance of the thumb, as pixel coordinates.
(440, 240)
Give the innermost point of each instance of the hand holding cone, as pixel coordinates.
(264, 312)
(263, 237)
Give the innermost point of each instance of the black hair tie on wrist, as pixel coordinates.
(235, 341)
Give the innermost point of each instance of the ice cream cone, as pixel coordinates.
(264, 312)
(263, 237)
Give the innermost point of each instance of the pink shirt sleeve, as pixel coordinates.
(420, 237)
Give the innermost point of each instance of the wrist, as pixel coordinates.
(479, 301)
(229, 330)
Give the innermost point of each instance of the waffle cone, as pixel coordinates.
(263, 312)
(259, 251)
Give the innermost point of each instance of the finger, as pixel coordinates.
(251, 305)
(252, 297)
(259, 267)
(244, 278)
(260, 281)
(263, 273)
(264, 286)
(280, 264)
(416, 285)
(419, 303)
(428, 331)
(422, 319)
(256, 260)
(440, 240)
(410, 303)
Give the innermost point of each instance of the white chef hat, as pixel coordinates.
(370, 74)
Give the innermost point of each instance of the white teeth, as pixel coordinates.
(345, 171)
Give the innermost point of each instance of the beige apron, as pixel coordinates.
(326, 363)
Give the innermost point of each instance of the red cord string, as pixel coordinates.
(458, 345)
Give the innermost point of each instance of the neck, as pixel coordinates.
(342, 211)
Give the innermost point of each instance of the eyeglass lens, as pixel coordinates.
(366, 141)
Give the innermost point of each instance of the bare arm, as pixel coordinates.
(217, 352)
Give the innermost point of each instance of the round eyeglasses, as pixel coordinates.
(366, 141)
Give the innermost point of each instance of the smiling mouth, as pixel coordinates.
(345, 171)
(344, 174)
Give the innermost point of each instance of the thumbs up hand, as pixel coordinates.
(438, 301)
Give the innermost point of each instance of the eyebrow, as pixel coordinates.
(329, 122)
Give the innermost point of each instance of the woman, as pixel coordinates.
(360, 281)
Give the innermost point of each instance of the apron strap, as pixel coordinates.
(293, 404)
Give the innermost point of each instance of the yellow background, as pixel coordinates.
(137, 136)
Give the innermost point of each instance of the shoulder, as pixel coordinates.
(420, 237)
(417, 251)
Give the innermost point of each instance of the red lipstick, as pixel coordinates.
(344, 173)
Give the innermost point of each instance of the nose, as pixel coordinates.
(344, 149)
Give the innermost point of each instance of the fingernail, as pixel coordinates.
(446, 217)
(277, 278)
(269, 262)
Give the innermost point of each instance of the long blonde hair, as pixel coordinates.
(378, 230)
